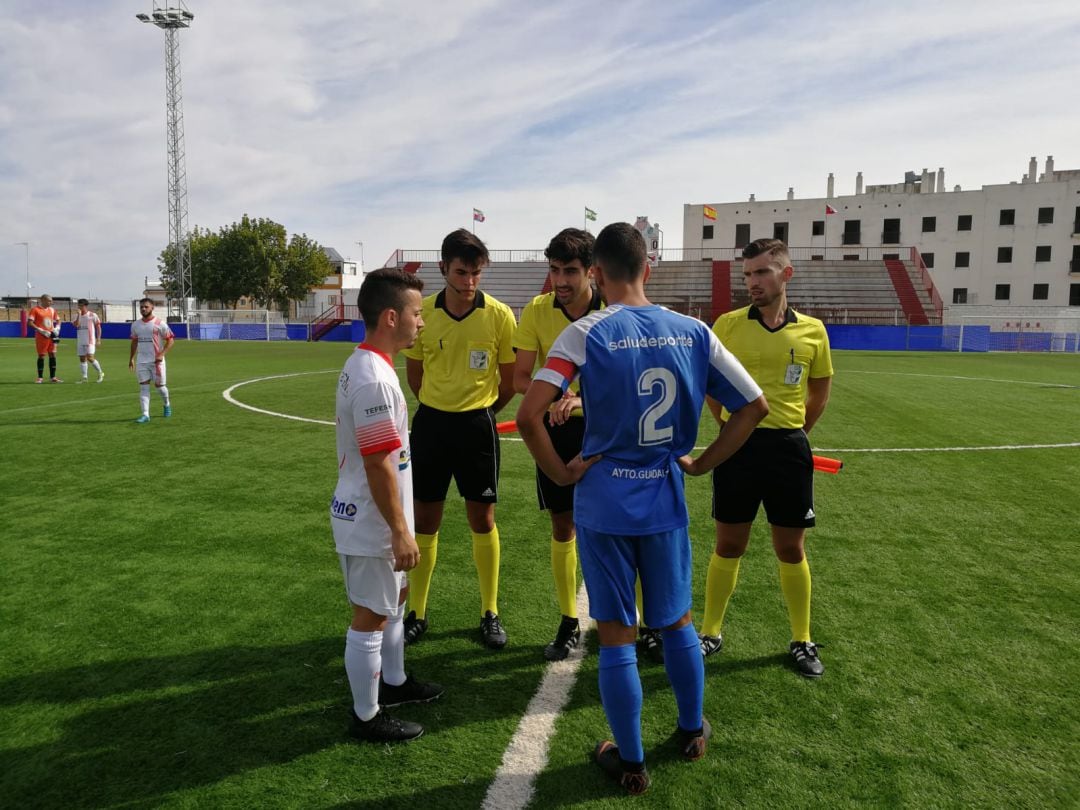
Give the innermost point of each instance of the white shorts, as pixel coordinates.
(146, 372)
(84, 349)
(373, 583)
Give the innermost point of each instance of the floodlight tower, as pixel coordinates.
(171, 17)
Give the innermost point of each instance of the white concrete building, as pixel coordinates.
(340, 287)
(1014, 245)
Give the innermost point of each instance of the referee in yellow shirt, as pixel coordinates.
(461, 369)
(570, 258)
(787, 354)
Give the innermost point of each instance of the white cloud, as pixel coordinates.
(387, 122)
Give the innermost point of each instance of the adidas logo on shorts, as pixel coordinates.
(488, 493)
(809, 514)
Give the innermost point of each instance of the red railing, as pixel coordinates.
(928, 282)
(330, 317)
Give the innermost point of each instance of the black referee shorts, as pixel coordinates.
(567, 439)
(463, 446)
(774, 467)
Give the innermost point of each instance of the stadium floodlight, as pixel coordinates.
(171, 18)
(27, 246)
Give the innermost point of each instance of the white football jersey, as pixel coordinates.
(371, 417)
(86, 328)
(151, 335)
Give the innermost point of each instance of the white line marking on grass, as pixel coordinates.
(132, 393)
(979, 448)
(944, 449)
(960, 377)
(227, 394)
(527, 754)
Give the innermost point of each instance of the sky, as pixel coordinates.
(375, 125)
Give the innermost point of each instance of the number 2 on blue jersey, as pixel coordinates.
(651, 379)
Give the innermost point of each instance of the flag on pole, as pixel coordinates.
(590, 214)
(708, 212)
(477, 215)
(829, 209)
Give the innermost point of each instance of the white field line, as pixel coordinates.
(527, 754)
(227, 394)
(969, 379)
(978, 448)
(133, 393)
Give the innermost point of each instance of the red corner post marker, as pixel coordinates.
(821, 463)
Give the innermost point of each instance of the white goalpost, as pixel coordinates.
(1016, 333)
(236, 324)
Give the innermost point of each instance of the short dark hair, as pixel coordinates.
(461, 244)
(774, 247)
(384, 289)
(620, 251)
(149, 301)
(569, 244)
(82, 301)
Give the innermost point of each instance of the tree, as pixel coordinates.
(252, 258)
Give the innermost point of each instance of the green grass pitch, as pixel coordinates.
(172, 615)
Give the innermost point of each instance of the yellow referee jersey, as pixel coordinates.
(780, 360)
(542, 320)
(461, 356)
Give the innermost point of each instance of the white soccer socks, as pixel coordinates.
(144, 398)
(363, 662)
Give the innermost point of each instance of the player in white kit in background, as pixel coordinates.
(371, 513)
(88, 328)
(151, 339)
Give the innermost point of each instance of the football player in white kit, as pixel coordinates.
(88, 327)
(371, 513)
(151, 339)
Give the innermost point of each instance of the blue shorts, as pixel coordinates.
(610, 563)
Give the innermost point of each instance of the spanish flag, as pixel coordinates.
(708, 212)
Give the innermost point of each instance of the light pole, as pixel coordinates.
(27, 246)
(361, 244)
(171, 16)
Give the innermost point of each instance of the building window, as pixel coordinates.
(890, 232)
(817, 257)
(1074, 265)
(779, 231)
(742, 235)
(706, 232)
(929, 224)
(890, 257)
(963, 259)
(963, 222)
(1040, 292)
(1007, 217)
(1042, 253)
(959, 295)
(1076, 221)
(1074, 295)
(1001, 292)
(1046, 215)
(928, 259)
(852, 232)
(852, 257)
(817, 227)
(1004, 255)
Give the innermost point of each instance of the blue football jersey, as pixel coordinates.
(644, 375)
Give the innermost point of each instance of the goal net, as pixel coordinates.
(239, 324)
(1016, 333)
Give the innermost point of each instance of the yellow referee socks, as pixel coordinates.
(719, 586)
(564, 570)
(795, 585)
(420, 577)
(485, 552)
